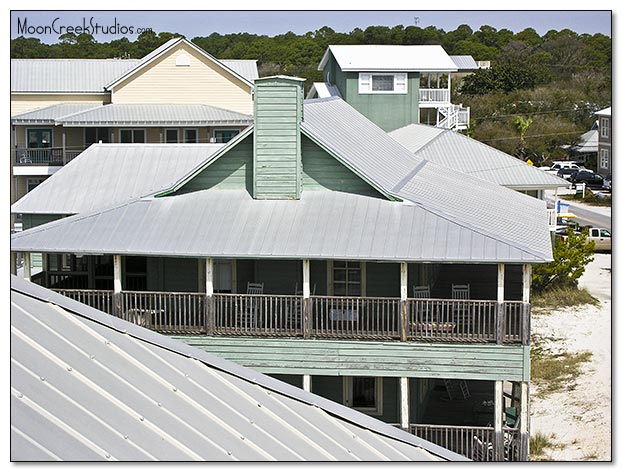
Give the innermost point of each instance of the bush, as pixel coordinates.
(570, 255)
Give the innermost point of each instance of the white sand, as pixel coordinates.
(579, 419)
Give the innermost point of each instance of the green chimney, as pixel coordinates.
(277, 167)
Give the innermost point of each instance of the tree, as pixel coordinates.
(570, 257)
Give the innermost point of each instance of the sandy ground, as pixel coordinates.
(579, 419)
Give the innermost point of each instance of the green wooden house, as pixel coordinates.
(351, 268)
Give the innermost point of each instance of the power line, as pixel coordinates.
(529, 136)
(492, 117)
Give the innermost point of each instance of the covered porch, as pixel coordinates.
(325, 299)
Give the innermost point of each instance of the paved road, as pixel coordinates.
(589, 217)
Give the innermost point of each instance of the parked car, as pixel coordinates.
(601, 238)
(607, 182)
(558, 165)
(567, 173)
(587, 177)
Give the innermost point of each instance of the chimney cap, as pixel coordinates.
(280, 77)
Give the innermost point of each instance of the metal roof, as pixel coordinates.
(459, 152)
(588, 142)
(604, 111)
(49, 115)
(66, 75)
(86, 386)
(231, 224)
(108, 174)
(370, 58)
(323, 90)
(247, 68)
(155, 114)
(464, 63)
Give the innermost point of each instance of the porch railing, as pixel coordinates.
(99, 299)
(53, 156)
(429, 95)
(322, 317)
(474, 442)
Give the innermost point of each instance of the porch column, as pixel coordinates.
(449, 84)
(498, 443)
(27, 266)
(306, 382)
(306, 298)
(64, 147)
(13, 263)
(526, 311)
(116, 262)
(404, 404)
(500, 299)
(523, 424)
(209, 295)
(403, 299)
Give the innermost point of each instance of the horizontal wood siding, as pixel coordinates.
(280, 277)
(232, 171)
(361, 358)
(321, 171)
(32, 220)
(276, 164)
(202, 81)
(23, 103)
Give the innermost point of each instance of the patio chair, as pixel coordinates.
(482, 451)
(247, 316)
(421, 291)
(461, 310)
(253, 288)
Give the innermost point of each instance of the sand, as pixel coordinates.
(579, 419)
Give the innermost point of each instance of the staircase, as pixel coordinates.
(454, 117)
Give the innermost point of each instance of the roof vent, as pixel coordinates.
(183, 60)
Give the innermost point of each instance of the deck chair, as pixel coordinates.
(254, 288)
(464, 389)
(247, 316)
(461, 310)
(482, 451)
(421, 291)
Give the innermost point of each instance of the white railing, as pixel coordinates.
(454, 117)
(552, 216)
(434, 96)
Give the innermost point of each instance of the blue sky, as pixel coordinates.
(203, 23)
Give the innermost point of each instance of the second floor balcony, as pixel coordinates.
(50, 156)
(434, 96)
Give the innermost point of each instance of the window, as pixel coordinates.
(31, 184)
(604, 127)
(347, 279)
(604, 158)
(171, 136)
(191, 136)
(39, 138)
(363, 394)
(95, 135)
(225, 135)
(132, 136)
(383, 83)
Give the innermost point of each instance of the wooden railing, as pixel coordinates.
(99, 299)
(53, 156)
(323, 317)
(474, 442)
(434, 95)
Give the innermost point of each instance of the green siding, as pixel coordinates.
(31, 220)
(383, 280)
(369, 358)
(276, 159)
(280, 277)
(321, 171)
(171, 274)
(232, 171)
(389, 111)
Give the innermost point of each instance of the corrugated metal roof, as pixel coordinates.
(604, 111)
(245, 67)
(588, 142)
(89, 387)
(231, 224)
(467, 155)
(66, 75)
(477, 204)
(155, 114)
(323, 90)
(375, 57)
(108, 174)
(464, 62)
(49, 115)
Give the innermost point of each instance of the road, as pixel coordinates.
(589, 217)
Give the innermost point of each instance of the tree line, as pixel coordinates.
(555, 82)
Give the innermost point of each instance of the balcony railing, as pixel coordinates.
(322, 317)
(474, 442)
(431, 95)
(52, 156)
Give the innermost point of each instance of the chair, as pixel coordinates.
(254, 288)
(421, 291)
(247, 317)
(461, 310)
(482, 451)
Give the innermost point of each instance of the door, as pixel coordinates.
(39, 144)
(223, 276)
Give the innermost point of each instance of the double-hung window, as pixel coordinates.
(363, 394)
(604, 159)
(132, 136)
(604, 127)
(383, 83)
(347, 279)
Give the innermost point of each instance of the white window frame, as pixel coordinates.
(348, 393)
(221, 130)
(144, 130)
(171, 129)
(604, 159)
(400, 83)
(33, 180)
(604, 127)
(196, 130)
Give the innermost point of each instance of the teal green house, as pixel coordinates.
(349, 267)
(393, 86)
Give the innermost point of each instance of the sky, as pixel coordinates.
(203, 23)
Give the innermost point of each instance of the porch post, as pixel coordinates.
(27, 266)
(118, 285)
(13, 263)
(526, 312)
(498, 443)
(524, 421)
(403, 300)
(45, 266)
(306, 382)
(306, 298)
(64, 147)
(500, 306)
(209, 295)
(405, 404)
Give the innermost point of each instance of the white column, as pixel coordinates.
(403, 281)
(499, 446)
(500, 329)
(27, 266)
(64, 147)
(404, 404)
(500, 282)
(306, 278)
(403, 302)
(116, 262)
(306, 382)
(449, 84)
(526, 282)
(209, 277)
(524, 425)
